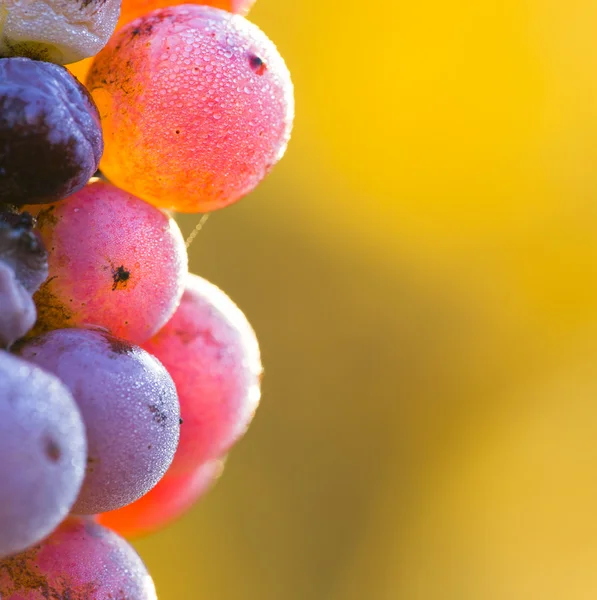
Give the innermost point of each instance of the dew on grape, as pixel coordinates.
(81, 560)
(115, 262)
(212, 354)
(130, 409)
(174, 495)
(58, 31)
(196, 104)
(43, 453)
(50, 135)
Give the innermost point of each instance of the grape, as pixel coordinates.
(168, 500)
(42, 450)
(50, 134)
(81, 560)
(196, 105)
(212, 354)
(17, 315)
(115, 262)
(131, 9)
(59, 31)
(129, 405)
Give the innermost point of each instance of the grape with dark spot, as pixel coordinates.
(42, 454)
(81, 560)
(130, 409)
(50, 135)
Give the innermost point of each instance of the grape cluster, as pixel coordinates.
(124, 379)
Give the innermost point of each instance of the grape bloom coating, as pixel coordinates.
(212, 354)
(81, 560)
(115, 262)
(50, 133)
(58, 31)
(43, 450)
(169, 499)
(196, 105)
(129, 406)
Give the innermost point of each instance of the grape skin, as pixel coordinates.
(43, 450)
(58, 31)
(17, 315)
(50, 134)
(129, 406)
(115, 262)
(81, 560)
(167, 501)
(212, 354)
(227, 95)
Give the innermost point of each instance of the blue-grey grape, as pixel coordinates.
(42, 453)
(130, 409)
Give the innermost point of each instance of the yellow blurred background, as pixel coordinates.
(421, 270)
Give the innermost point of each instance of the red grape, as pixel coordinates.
(196, 105)
(115, 262)
(43, 452)
(168, 500)
(129, 406)
(212, 354)
(81, 560)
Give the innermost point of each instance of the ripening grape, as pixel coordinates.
(212, 354)
(131, 9)
(50, 134)
(129, 406)
(59, 31)
(42, 454)
(168, 500)
(196, 104)
(81, 560)
(115, 262)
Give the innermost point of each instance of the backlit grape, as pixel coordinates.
(196, 105)
(81, 560)
(115, 262)
(50, 135)
(168, 500)
(131, 9)
(42, 454)
(59, 31)
(129, 406)
(212, 354)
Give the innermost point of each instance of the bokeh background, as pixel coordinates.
(421, 270)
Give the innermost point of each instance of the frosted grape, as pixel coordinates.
(50, 135)
(129, 406)
(42, 454)
(81, 560)
(168, 500)
(131, 9)
(196, 105)
(115, 262)
(212, 354)
(59, 31)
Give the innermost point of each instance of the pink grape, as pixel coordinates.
(81, 560)
(43, 452)
(174, 495)
(196, 105)
(115, 262)
(129, 406)
(212, 354)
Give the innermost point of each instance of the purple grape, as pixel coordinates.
(42, 453)
(129, 405)
(81, 560)
(17, 310)
(50, 135)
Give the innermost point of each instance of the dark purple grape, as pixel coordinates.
(42, 453)
(129, 406)
(81, 560)
(50, 134)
